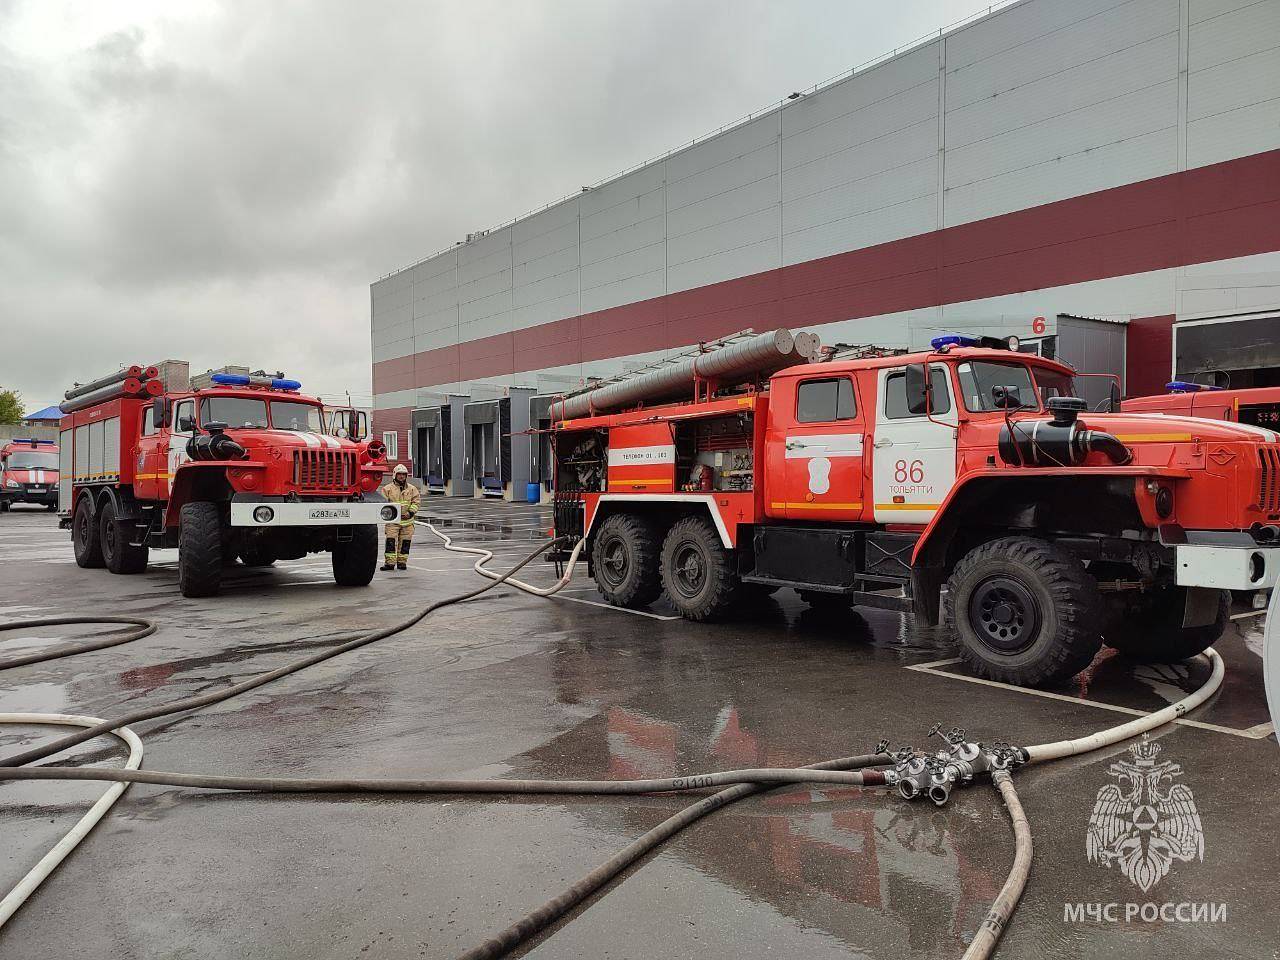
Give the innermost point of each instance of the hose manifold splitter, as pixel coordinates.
(919, 773)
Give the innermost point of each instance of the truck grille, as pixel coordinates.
(324, 469)
(1269, 479)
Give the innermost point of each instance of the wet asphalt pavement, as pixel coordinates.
(515, 686)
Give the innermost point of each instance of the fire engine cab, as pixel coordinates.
(242, 468)
(29, 473)
(967, 482)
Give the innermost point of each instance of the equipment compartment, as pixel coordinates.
(715, 453)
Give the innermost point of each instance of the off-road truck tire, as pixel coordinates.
(200, 549)
(1155, 634)
(86, 541)
(356, 560)
(697, 571)
(1026, 612)
(624, 561)
(118, 554)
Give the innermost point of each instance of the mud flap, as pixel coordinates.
(1201, 607)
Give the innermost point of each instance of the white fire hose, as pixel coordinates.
(1006, 901)
(980, 948)
(62, 849)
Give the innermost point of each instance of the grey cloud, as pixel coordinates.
(223, 186)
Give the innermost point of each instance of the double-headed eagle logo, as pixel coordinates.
(1144, 821)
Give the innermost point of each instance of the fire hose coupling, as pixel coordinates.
(918, 773)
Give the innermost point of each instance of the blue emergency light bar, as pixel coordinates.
(953, 340)
(1186, 386)
(240, 380)
(31, 440)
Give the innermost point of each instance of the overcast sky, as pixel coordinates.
(221, 181)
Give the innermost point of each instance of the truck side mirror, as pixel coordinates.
(918, 389)
(159, 413)
(187, 424)
(1006, 397)
(1114, 397)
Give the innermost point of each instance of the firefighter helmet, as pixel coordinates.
(400, 468)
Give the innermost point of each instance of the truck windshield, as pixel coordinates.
(235, 412)
(291, 415)
(977, 377)
(1054, 384)
(32, 461)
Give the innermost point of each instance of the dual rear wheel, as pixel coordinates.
(633, 564)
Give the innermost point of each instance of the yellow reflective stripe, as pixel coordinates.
(1153, 437)
(639, 483)
(908, 506)
(816, 505)
(151, 476)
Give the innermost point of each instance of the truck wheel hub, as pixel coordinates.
(1004, 614)
(614, 561)
(690, 570)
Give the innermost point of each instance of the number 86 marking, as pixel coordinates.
(902, 471)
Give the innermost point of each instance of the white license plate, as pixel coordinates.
(329, 513)
(35, 489)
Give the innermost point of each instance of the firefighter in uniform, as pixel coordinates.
(400, 535)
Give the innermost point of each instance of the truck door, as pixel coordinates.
(914, 455)
(149, 478)
(181, 430)
(822, 452)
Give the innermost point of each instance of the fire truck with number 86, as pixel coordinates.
(968, 482)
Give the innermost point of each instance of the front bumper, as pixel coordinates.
(314, 514)
(41, 494)
(1228, 567)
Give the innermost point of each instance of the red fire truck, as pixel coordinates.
(1259, 406)
(29, 473)
(241, 468)
(880, 481)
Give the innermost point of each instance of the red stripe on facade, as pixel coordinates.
(1148, 358)
(1224, 210)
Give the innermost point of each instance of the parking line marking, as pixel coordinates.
(609, 606)
(1248, 614)
(1256, 732)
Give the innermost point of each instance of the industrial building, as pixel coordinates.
(1089, 176)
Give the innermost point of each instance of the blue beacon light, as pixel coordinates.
(230, 379)
(952, 340)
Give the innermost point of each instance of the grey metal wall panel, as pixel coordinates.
(1233, 88)
(1041, 101)
(1058, 94)
(916, 67)
(1015, 25)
